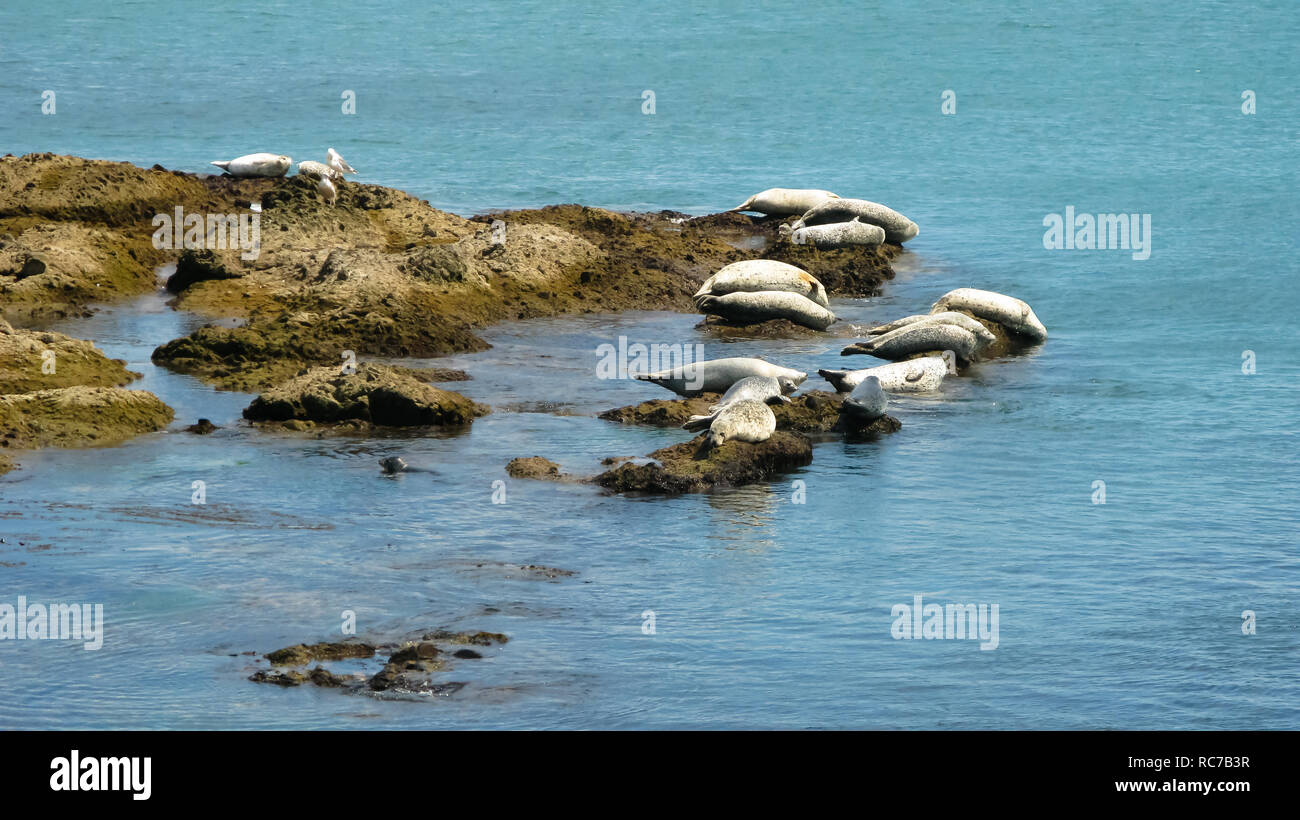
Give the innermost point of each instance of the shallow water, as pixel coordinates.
(768, 613)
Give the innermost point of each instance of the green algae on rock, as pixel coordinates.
(301, 654)
(375, 394)
(408, 669)
(692, 466)
(816, 411)
(33, 360)
(79, 417)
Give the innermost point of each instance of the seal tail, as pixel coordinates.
(744, 206)
(860, 347)
(225, 166)
(837, 379)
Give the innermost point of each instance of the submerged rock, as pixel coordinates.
(534, 467)
(301, 654)
(376, 394)
(692, 466)
(409, 668)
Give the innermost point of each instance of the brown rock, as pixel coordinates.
(374, 393)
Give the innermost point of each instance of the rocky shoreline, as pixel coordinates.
(379, 273)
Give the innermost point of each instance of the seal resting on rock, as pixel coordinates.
(717, 375)
(256, 165)
(763, 274)
(910, 376)
(919, 338)
(868, 401)
(898, 228)
(748, 420)
(784, 201)
(751, 388)
(1008, 311)
(839, 235)
(752, 308)
(946, 317)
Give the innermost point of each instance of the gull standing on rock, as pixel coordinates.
(336, 161)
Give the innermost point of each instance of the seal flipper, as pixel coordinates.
(225, 166)
(697, 423)
(836, 378)
(744, 206)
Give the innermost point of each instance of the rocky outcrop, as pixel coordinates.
(380, 272)
(375, 394)
(534, 467)
(409, 669)
(692, 466)
(33, 360)
(79, 417)
(816, 411)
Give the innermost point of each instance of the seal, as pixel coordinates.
(751, 421)
(919, 338)
(751, 308)
(910, 376)
(947, 317)
(751, 388)
(334, 160)
(318, 170)
(1013, 314)
(393, 464)
(868, 401)
(898, 228)
(754, 275)
(256, 165)
(838, 234)
(717, 375)
(784, 201)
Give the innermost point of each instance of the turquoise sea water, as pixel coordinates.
(768, 613)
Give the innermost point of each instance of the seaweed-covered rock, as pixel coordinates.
(663, 412)
(79, 417)
(297, 677)
(692, 466)
(816, 411)
(33, 360)
(770, 329)
(301, 654)
(376, 394)
(198, 266)
(533, 467)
